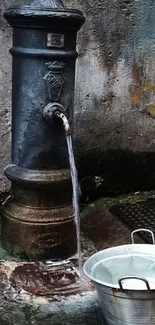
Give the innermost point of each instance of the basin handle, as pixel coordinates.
(131, 278)
(145, 230)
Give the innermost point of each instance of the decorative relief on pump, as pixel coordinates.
(55, 40)
(55, 79)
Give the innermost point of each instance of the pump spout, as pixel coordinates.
(65, 122)
(56, 110)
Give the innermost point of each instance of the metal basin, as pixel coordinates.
(124, 277)
(108, 271)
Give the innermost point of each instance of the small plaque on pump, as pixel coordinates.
(55, 40)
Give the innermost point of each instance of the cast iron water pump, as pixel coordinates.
(37, 219)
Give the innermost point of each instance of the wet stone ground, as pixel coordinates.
(45, 293)
(103, 228)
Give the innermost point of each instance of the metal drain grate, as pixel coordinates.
(137, 215)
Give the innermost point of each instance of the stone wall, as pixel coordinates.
(114, 97)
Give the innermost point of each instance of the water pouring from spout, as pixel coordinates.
(75, 184)
(52, 111)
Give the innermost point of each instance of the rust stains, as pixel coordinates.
(114, 294)
(141, 90)
(148, 87)
(136, 95)
(38, 279)
(42, 281)
(150, 109)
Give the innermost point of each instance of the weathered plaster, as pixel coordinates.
(5, 96)
(115, 81)
(115, 77)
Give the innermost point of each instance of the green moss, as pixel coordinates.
(98, 181)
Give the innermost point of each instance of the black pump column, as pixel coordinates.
(37, 220)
